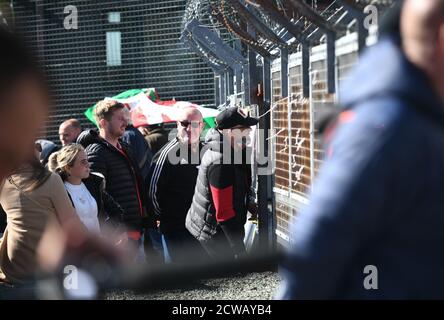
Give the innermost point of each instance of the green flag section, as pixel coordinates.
(150, 92)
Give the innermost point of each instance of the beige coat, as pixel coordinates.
(28, 214)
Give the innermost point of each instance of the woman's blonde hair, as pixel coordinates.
(58, 161)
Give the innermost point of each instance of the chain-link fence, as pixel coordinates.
(115, 46)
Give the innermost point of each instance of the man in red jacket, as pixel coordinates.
(223, 196)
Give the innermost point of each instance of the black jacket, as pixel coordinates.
(171, 184)
(202, 220)
(141, 150)
(122, 176)
(156, 139)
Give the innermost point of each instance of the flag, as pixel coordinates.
(146, 108)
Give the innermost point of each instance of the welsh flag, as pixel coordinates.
(146, 108)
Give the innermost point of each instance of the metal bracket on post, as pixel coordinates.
(254, 21)
(267, 78)
(246, 77)
(305, 71)
(230, 82)
(227, 86)
(307, 11)
(330, 30)
(217, 89)
(186, 38)
(284, 73)
(266, 181)
(212, 43)
(357, 12)
(196, 36)
(331, 62)
(223, 97)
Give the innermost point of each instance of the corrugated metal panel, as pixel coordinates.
(297, 149)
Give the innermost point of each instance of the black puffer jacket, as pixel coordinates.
(201, 219)
(123, 179)
(109, 210)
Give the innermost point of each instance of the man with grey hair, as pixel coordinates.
(374, 225)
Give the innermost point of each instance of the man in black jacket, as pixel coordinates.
(171, 186)
(223, 195)
(113, 159)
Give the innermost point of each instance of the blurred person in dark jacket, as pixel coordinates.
(373, 228)
(141, 151)
(155, 135)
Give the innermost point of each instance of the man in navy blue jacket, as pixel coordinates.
(374, 228)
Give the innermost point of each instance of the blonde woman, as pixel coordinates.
(93, 204)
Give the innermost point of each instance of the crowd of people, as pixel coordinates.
(133, 195)
(130, 189)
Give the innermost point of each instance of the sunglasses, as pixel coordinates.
(194, 124)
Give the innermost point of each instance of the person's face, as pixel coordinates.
(117, 124)
(68, 134)
(189, 128)
(80, 168)
(23, 110)
(239, 137)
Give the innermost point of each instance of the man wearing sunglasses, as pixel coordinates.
(223, 190)
(171, 183)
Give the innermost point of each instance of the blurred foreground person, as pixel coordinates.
(222, 196)
(43, 229)
(374, 225)
(32, 198)
(23, 101)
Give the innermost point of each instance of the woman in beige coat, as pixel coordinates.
(33, 199)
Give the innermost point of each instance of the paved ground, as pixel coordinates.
(249, 287)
